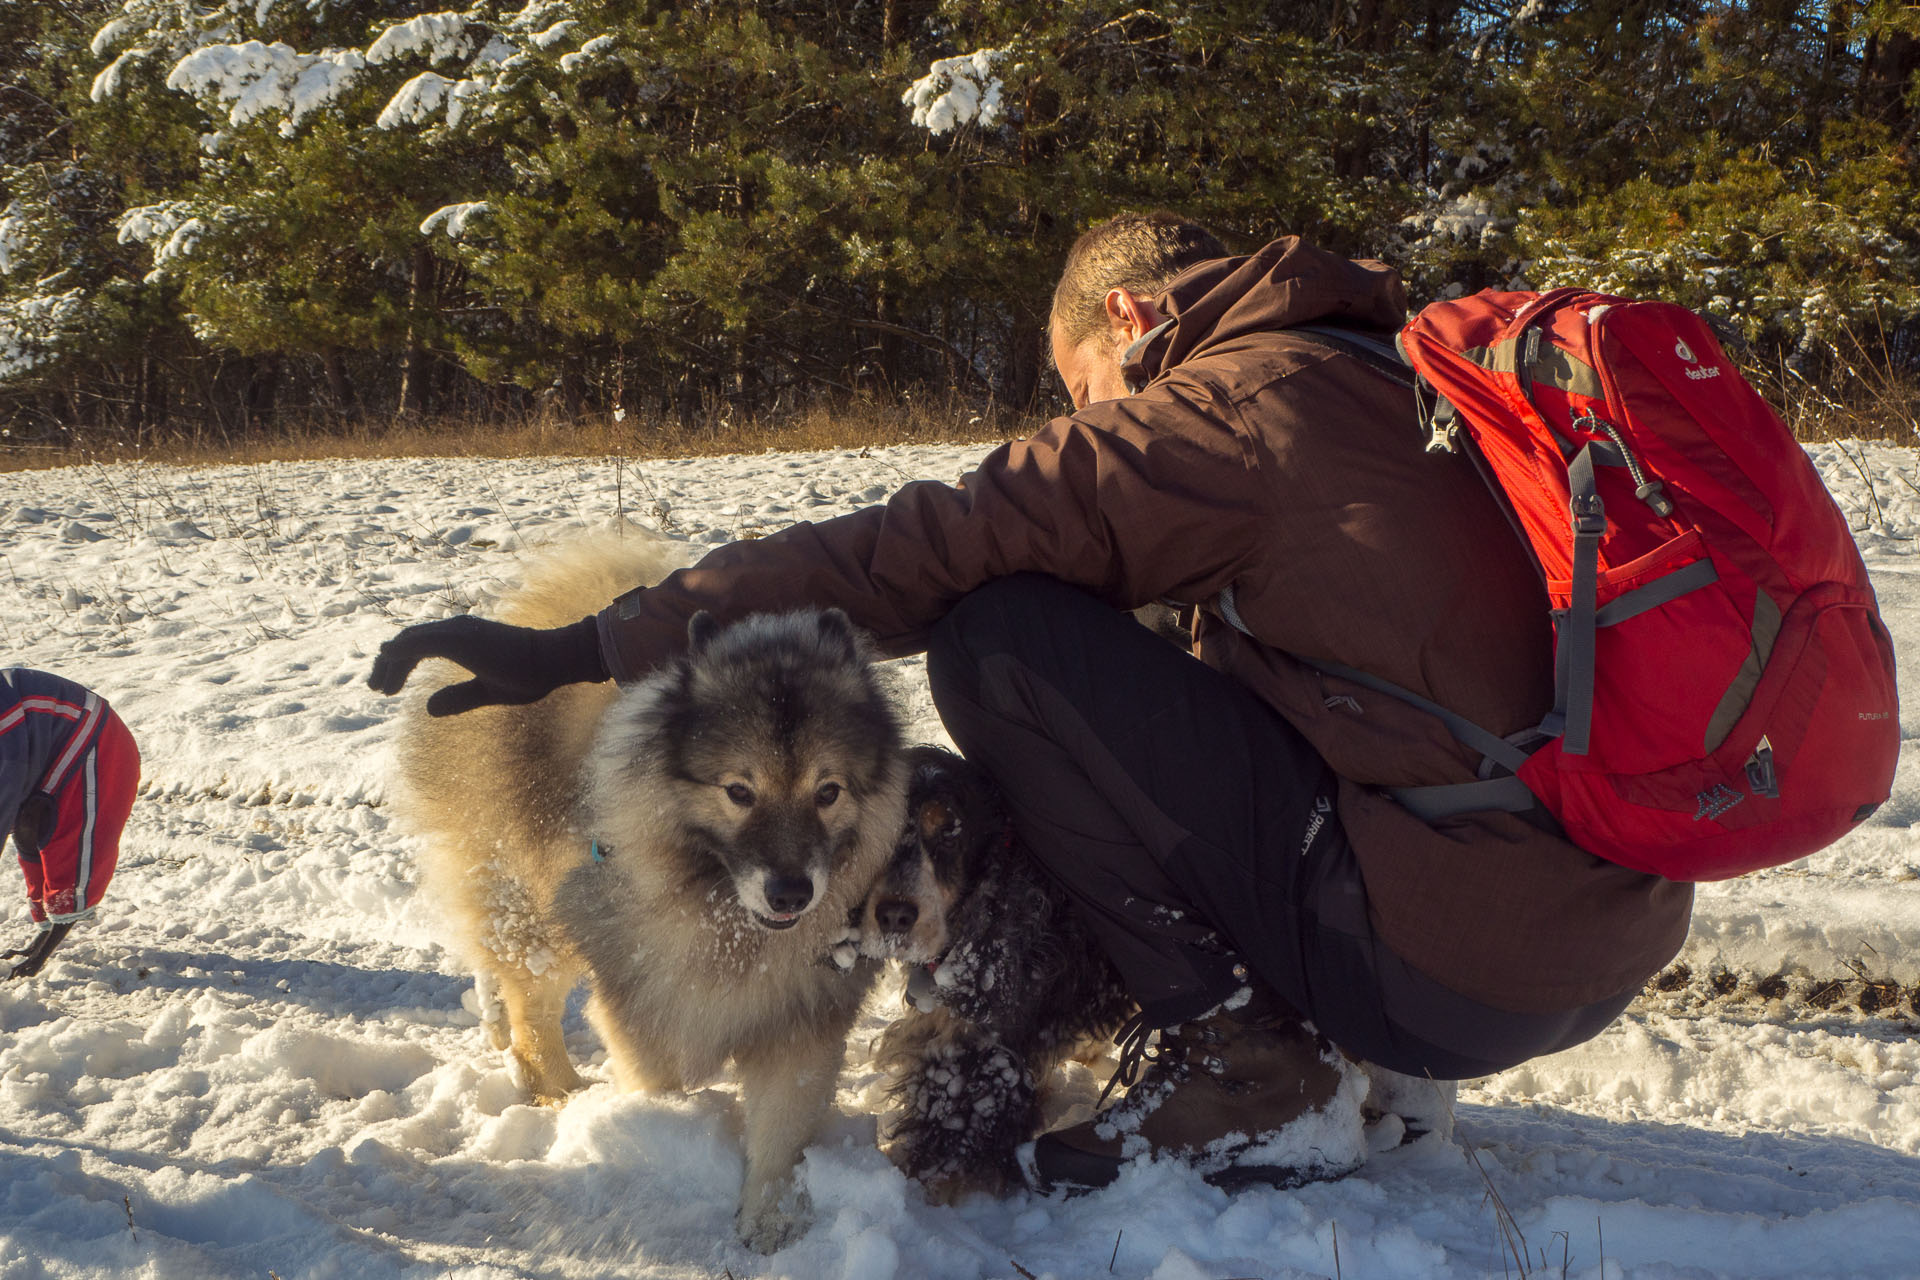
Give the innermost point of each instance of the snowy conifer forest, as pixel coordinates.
(222, 215)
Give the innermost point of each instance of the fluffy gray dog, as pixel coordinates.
(692, 844)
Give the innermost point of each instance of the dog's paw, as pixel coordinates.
(548, 1083)
(775, 1224)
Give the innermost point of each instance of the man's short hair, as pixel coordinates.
(1138, 252)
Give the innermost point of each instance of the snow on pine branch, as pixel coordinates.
(552, 35)
(258, 79)
(419, 99)
(112, 77)
(15, 237)
(572, 62)
(104, 38)
(439, 37)
(1468, 218)
(453, 218)
(31, 327)
(957, 91)
(170, 230)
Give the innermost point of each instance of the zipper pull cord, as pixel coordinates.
(1647, 489)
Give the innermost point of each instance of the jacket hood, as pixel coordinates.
(1286, 283)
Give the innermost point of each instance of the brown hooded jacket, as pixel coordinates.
(1296, 475)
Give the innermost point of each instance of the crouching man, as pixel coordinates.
(68, 773)
(1223, 824)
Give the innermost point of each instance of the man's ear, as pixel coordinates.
(1129, 315)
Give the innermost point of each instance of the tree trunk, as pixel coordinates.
(889, 344)
(262, 387)
(1020, 382)
(1891, 59)
(339, 387)
(416, 388)
(142, 381)
(153, 396)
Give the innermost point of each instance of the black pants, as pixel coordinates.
(1196, 831)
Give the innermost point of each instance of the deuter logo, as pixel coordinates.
(1699, 372)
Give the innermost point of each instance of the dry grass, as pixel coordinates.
(1871, 398)
(846, 424)
(1870, 402)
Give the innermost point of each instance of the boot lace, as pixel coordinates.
(1139, 1046)
(1132, 1037)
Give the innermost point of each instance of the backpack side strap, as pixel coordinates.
(1485, 741)
(1429, 803)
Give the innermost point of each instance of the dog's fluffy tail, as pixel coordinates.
(581, 574)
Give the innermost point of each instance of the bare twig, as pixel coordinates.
(1510, 1233)
(1878, 518)
(128, 1202)
(1116, 1248)
(660, 510)
(513, 524)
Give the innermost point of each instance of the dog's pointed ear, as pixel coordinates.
(701, 631)
(837, 629)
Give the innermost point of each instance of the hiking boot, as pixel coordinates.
(1244, 1100)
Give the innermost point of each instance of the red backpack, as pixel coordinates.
(1724, 688)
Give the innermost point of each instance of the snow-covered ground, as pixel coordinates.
(259, 1061)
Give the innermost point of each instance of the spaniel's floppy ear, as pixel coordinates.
(701, 630)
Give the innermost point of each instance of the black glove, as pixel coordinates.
(511, 665)
(36, 954)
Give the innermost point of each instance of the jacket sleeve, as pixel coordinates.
(1153, 496)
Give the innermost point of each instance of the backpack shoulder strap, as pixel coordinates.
(1368, 345)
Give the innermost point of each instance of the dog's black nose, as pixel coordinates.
(896, 915)
(789, 895)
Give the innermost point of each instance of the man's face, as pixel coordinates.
(1091, 370)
